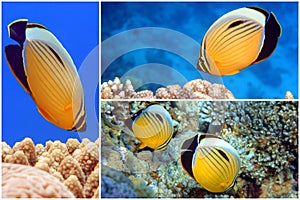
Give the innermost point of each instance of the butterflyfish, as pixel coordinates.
(47, 73)
(211, 161)
(152, 126)
(237, 40)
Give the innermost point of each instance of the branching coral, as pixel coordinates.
(195, 89)
(74, 164)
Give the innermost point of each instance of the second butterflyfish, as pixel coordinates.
(211, 161)
(237, 40)
(47, 73)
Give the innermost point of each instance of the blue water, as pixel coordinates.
(76, 25)
(268, 79)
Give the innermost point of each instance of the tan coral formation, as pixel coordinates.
(289, 95)
(28, 148)
(74, 164)
(195, 89)
(21, 181)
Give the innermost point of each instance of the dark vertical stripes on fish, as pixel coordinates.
(152, 126)
(212, 162)
(237, 40)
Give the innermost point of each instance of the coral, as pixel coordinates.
(39, 150)
(6, 150)
(145, 94)
(20, 181)
(56, 157)
(58, 145)
(72, 145)
(115, 184)
(141, 188)
(289, 95)
(17, 158)
(202, 89)
(42, 166)
(170, 92)
(88, 158)
(115, 90)
(28, 148)
(64, 162)
(92, 183)
(69, 166)
(74, 186)
(195, 89)
(96, 194)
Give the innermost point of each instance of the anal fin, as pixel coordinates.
(15, 61)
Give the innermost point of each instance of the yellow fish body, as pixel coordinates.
(153, 127)
(46, 71)
(237, 40)
(212, 162)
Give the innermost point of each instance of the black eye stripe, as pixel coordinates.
(236, 23)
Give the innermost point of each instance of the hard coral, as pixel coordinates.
(59, 160)
(20, 181)
(28, 148)
(74, 186)
(195, 89)
(115, 184)
(17, 158)
(92, 183)
(69, 166)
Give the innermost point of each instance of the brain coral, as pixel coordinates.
(20, 181)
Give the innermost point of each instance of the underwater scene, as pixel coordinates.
(50, 100)
(247, 48)
(199, 149)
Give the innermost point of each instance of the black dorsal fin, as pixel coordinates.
(35, 25)
(17, 31)
(207, 135)
(14, 58)
(261, 10)
(272, 33)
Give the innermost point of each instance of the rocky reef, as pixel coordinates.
(195, 89)
(68, 169)
(265, 134)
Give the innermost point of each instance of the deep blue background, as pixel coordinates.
(76, 25)
(269, 79)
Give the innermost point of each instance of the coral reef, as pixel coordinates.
(195, 89)
(265, 134)
(74, 164)
(21, 181)
(115, 184)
